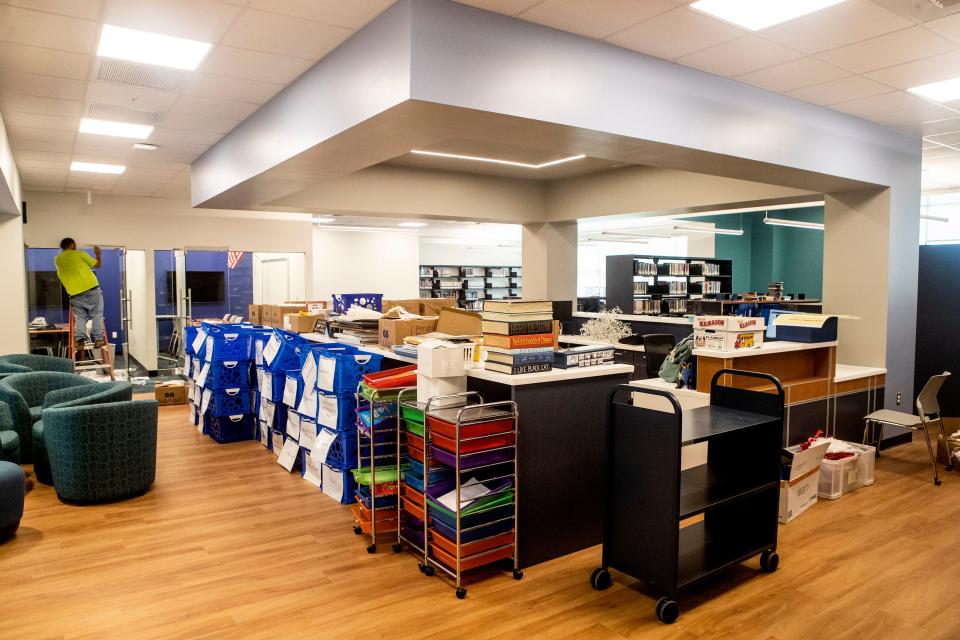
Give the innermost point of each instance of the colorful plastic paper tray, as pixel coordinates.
(384, 474)
(392, 378)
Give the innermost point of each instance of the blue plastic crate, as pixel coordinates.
(339, 485)
(341, 371)
(227, 345)
(337, 412)
(225, 429)
(342, 454)
(228, 374)
(287, 346)
(292, 380)
(189, 336)
(275, 391)
(275, 415)
(366, 300)
(229, 402)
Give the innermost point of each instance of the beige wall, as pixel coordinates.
(13, 320)
(550, 261)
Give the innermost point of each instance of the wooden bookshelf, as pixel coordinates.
(662, 285)
(470, 285)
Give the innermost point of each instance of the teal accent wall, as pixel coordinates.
(766, 253)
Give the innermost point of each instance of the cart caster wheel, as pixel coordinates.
(517, 574)
(357, 530)
(667, 610)
(428, 570)
(600, 579)
(397, 547)
(949, 467)
(769, 561)
(420, 567)
(461, 593)
(937, 482)
(372, 548)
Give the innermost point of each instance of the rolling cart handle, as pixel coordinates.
(749, 374)
(653, 392)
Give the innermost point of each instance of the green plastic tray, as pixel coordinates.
(412, 414)
(487, 502)
(416, 428)
(384, 474)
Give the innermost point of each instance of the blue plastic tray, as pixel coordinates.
(228, 374)
(225, 429)
(229, 402)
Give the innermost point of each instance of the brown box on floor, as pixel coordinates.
(170, 393)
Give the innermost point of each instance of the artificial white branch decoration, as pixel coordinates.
(606, 327)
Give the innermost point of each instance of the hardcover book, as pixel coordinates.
(518, 369)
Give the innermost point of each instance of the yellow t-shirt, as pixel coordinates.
(74, 271)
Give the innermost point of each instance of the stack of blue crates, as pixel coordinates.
(226, 400)
(276, 359)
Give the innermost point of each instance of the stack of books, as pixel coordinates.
(359, 332)
(518, 336)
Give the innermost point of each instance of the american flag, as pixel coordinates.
(233, 258)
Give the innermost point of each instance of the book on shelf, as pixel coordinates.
(514, 359)
(519, 369)
(518, 342)
(501, 350)
(521, 327)
(519, 306)
(583, 356)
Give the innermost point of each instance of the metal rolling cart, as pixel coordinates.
(673, 528)
(479, 439)
(376, 511)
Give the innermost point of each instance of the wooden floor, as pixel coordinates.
(227, 545)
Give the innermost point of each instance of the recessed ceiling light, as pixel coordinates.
(943, 91)
(511, 163)
(151, 48)
(713, 230)
(95, 167)
(144, 146)
(323, 220)
(116, 129)
(797, 224)
(760, 14)
(412, 224)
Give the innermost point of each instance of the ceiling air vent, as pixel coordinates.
(945, 4)
(113, 113)
(138, 75)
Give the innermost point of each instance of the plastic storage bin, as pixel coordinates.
(225, 429)
(341, 371)
(366, 300)
(838, 477)
(222, 345)
(229, 402)
(228, 374)
(337, 412)
(286, 347)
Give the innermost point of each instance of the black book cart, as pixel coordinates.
(673, 528)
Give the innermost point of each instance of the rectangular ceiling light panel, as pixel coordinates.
(116, 129)
(943, 91)
(760, 14)
(96, 167)
(151, 48)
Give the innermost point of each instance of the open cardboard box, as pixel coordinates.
(798, 492)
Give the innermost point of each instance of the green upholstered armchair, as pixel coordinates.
(24, 394)
(11, 498)
(7, 369)
(9, 439)
(102, 451)
(87, 394)
(36, 362)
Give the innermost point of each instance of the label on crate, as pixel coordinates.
(204, 374)
(308, 434)
(293, 418)
(311, 470)
(199, 341)
(293, 429)
(332, 483)
(271, 349)
(322, 444)
(264, 433)
(328, 411)
(267, 409)
(290, 392)
(204, 404)
(266, 385)
(289, 453)
(308, 403)
(326, 370)
(309, 372)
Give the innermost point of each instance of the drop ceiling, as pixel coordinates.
(857, 57)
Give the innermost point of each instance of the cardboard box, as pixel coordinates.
(432, 387)
(299, 323)
(727, 323)
(412, 305)
(805, 327)
(171, 393)
(439, 359)
(798, 492)
(727, 340)
(432, 306)
(457, 322)
(393, 331)
(272, 314)
(253, 313)
(316, 306)
(950, 449)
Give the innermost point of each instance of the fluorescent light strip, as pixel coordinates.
(760, 14)
(151, 48)
(714, 231)
(509, 163)
(927, 216)
(943, 91)
(780, 222)
(414, 225)
(94, 167)
(115, 129)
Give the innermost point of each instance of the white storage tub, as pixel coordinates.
(838, 477)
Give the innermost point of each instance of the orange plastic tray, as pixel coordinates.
(449, 429)
(384, 514)
(413, 509)
(471, 548)
(471, 562)
(413, 440)
(413, 495)
(471, 446)
(382, 527)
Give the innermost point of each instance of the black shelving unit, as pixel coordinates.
(673, 528)
(641, 285)
(496, 283)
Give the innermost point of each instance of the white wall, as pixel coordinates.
(432, 253)
(10, 191)
(297, 278)
(13, 320)
(140, 315)
(384, 262)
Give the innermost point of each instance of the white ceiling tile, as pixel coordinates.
(42, 165)
(37, 104)
(211, 107)
(254, 65)
(676, 33)
(936, 127)
(204, 20)
(836, 26)
(840, 90)
(285, 35)
(204, 85)
(41, 121)
(133, 191)
(161, 136)
(192, 122)
(39, 135)
(507, 7)
(740, 56)
(947, 138)
(86, 9)
(32, 84)
(26, 144)
(949, 26)
(137, 98)
(883, 103)
(48, 156)
(352, 15)
(47, 30)
(48, 62)
(791, 75)
(888, 50)
(593, 18)
(912, 74)
(918, 116)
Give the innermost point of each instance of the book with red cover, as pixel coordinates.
(518, 342)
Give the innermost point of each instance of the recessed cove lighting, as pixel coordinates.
(151, 48)
(95, 167)
(509, 163)
(412, 224)
(713, 230)
(145, 146)
(116, 129)
(760, 14)
(943, 91)
(326, 220)
(797, 224)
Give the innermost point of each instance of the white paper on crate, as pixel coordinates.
(290, 392)
(322, 445)
(332, 483)
(288, 455)
(328, 411)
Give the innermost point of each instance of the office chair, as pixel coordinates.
(656, 347)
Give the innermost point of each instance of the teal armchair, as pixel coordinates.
(24, 393)
(36, 362)
(7, 369)
(102, 452)
(9, 439)
(83, 395)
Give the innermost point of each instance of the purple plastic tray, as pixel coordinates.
(438, 490)
(473, 460)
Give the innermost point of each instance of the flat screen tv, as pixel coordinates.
(46, 290)
(206, 287)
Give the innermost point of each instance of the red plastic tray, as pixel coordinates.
(472, 446)
(449, 429)
(470, 562)
(392, 378)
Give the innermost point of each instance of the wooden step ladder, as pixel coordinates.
(105, 363)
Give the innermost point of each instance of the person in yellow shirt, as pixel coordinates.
(75, 270)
